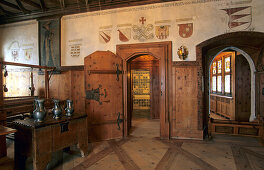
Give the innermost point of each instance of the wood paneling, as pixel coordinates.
(60, 86)
(77, 91)
(69, 85)
(185, 103)
(243, 89)
(222, 106)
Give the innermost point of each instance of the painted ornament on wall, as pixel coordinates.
(105, 36)
(124, 34)
(143, 32)
(185, 30)
(240, 18)
(162, 32)
(28, 53)
(14, 48)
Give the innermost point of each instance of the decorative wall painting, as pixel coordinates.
(49, 37)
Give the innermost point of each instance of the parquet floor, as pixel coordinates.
(144, 150)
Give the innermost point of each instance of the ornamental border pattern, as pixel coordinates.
(140, 8)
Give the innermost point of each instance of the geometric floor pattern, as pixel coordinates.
(144, 150)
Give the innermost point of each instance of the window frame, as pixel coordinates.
(222, 74)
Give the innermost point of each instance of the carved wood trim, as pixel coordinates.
(163, 52)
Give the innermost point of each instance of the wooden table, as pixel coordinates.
(39, 140)
(4, 131)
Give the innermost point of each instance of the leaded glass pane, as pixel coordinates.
(227, 84)
(219, 66)
(227, 64)
(214, 83)
(214, 67)
(219, 84)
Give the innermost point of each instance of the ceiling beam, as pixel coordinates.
(5, 12)
(62, 4)
(34, 4)
(22, 8)
(42, 4)
(73, 9)
(9, 5)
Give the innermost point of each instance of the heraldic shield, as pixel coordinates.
(124, 34)
(185, 30)
(240, 18)
(162, 32)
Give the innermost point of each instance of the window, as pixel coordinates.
(221, 74)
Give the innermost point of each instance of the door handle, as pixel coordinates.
(161, 92)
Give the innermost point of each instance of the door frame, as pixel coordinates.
(162, 51)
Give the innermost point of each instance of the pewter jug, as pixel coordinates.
(39, 113)
(69, 108)
(57, 109)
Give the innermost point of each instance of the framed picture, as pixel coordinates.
(49, 43)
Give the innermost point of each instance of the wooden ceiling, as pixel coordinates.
(20, 10)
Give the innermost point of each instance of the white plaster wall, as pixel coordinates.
(21, 37)
(207, 17)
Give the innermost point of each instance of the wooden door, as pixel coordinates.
(243, 89)
(104, 101)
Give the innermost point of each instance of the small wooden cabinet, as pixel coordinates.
(39, 140)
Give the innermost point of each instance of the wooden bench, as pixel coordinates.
(235, 128)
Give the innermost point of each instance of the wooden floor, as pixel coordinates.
(144, 150)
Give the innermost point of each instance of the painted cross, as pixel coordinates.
(142, 20)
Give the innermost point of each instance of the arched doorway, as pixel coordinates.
(250, 45)
(143, 95)
(232, 86)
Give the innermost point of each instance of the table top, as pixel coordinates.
(5, 130)
(47, 121)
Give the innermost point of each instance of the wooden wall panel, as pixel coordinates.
(69, 85)
(185, 103)
(60, 86)
(221, 105)
(78, 91)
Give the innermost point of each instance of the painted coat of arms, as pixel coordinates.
(240, 18)
(124, 34)
(162, 32)
(104, 36)
(185, 30)
(143, 32)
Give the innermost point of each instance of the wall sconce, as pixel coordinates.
(183, 52)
